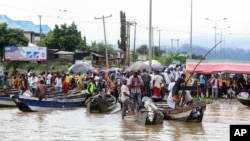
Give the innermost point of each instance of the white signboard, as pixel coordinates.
(13, 53)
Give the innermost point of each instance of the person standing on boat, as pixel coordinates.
(170, 101)
(134, 84)
(41, 90)
(80, 81)
(23, 84)
(177, 88)
(91, 89)
(33, 83)
(58, 83)
(127, 103)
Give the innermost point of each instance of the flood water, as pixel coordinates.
(76, 124)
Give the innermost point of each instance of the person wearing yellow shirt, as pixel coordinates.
(79, 81)
(68, 78)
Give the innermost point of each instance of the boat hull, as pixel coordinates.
(244, 101)
(28, 104)
(188, 113)
(5, 101)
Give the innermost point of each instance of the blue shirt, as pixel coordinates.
(202, 79)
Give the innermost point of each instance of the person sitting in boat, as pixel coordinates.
(41, 90)
(188, 99)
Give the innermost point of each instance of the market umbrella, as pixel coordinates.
(80, 68)
(157, 67)
(138, 66)
(153, 62)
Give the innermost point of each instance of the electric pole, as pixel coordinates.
(105, 40)
(40, 21)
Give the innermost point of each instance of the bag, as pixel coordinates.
(111, 86)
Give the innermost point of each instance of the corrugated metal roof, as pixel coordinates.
(28, 26)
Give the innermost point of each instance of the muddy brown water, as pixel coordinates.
(76, 124)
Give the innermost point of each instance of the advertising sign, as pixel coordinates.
(13, 53)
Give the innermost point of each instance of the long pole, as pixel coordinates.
(134, 35)
(40, 21)
(159, 42)
(150, 33)
(105, 40)
(191, 30)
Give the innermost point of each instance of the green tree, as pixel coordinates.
(11, 37)
(100, 48)
(143, 49)
(66, 38)
(122, 43)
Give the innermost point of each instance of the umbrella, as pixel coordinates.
(80, 68)
(157, 67)
(138, 66)
(153, 62)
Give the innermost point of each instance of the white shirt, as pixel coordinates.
(157, 81)
(125, 89)
(48, 82)
(167, 77)
(170, 101)
(58, 82)
(33, 81)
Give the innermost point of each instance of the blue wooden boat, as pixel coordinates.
(62, 101)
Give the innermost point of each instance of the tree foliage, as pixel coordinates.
(66, 38)
(122, 43)
(100, 47)
(143, 49)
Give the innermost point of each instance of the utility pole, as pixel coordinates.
(177, 45)
(105, 40)
(134, 35)
(172, 45)
(159, 41)
(128, 43)
(40, 21)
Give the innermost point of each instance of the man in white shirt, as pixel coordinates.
(33, 83)
(157, 84)
(170, 101)
(127, 103)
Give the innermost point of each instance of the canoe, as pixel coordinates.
(5, 100)
(244, 98)
(187, 113)
(102, 104)
(33, 104)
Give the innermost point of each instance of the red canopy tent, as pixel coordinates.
(213, 66)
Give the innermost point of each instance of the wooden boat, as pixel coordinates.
(5, 100)
(244, 98)
(192, 112)
(101, 103)
(71, 99)
(149, 114)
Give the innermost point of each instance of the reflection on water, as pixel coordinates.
(76, 124)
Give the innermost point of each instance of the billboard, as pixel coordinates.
(14, 53)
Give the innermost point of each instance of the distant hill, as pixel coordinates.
(24, 25)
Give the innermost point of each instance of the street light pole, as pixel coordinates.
(215, 26)
(191, 30)
(150, 33)
(221, 29)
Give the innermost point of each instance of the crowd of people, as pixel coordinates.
(128, 88)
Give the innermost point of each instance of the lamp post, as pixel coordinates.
(215, 25)
(191, 31)
(221, 29)
(150, 33)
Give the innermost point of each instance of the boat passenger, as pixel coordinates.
(41, 90)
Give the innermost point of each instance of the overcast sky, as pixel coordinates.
(172, 17)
